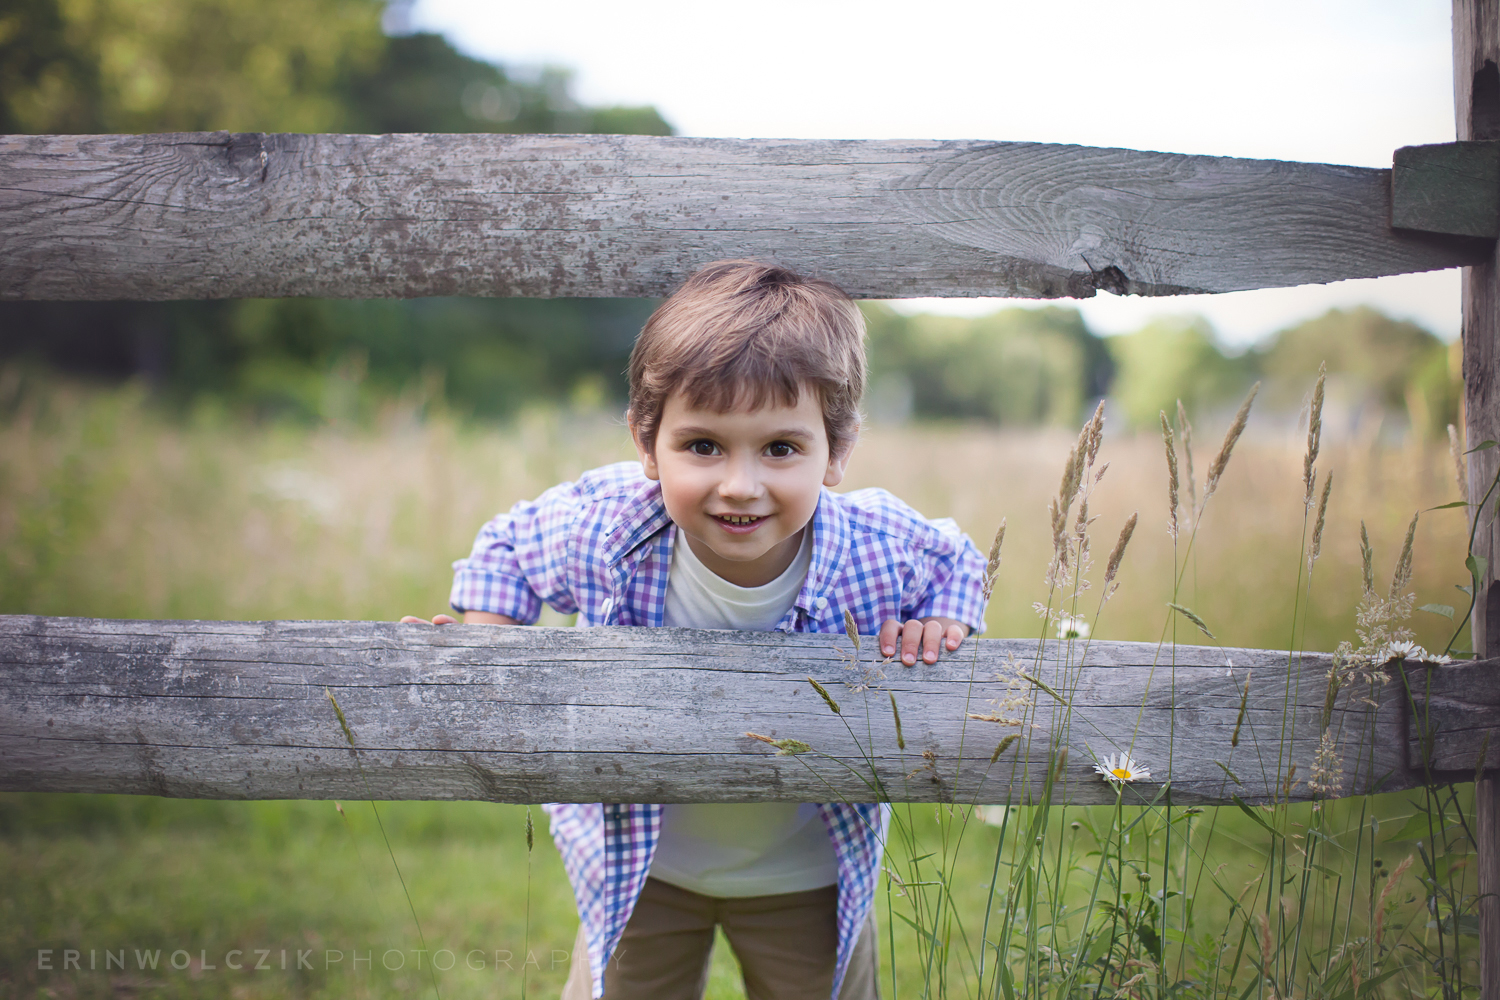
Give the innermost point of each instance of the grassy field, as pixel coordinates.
(107, 510)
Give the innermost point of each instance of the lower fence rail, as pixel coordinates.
(317, 710)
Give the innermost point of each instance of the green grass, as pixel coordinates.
(108, 510)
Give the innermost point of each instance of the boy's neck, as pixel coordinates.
(756, 573)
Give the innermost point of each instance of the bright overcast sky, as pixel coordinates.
(1338, 81)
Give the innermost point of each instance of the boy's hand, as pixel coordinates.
(924, 637)
(470, 618)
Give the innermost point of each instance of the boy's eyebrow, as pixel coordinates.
(682, 433)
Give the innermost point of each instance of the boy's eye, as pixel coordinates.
(781, 449)
(703, 448)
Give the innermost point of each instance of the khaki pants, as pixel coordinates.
(786, 945)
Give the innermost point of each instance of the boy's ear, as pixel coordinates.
(838, 461)
(647, 457)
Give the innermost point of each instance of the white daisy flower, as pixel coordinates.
(1441, 659)
(1072, 628)
(1405, 651)
(1122, 769)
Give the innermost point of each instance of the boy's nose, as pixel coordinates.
(740, 482)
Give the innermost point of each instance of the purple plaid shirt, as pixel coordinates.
(600, 548)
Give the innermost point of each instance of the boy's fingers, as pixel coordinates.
(955, 636)
(932, 640)
(413, 620)
(444, 620)
(888, 633)
(911, 641)
(437, 620)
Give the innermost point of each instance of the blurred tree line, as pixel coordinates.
(84, 66)
(80, 66)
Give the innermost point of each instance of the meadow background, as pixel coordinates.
(315, 459)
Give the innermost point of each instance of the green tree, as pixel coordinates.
(1374, 363)
(316, 65)
(1174, 358)
(1016, 366)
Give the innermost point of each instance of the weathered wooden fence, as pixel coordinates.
(246, 710)
(239, 710)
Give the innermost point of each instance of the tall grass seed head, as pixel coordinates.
(992, 565)
(1221, 460)
(1317, 536)
(1314, 437)
(1172, 483)
(1112, 568)
(1185, 435)
(1460, 468)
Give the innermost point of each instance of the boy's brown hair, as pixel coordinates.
(740, 333)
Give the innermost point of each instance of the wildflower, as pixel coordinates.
(1121, 770)
(1072, 628)
(1405, 651)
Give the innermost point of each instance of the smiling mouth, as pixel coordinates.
(740, 520)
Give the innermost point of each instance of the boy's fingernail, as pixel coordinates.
(887, 650)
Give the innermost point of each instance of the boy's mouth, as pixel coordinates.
(738, 520)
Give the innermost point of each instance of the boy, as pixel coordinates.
(744, 395)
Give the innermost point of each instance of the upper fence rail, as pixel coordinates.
(220, 215)
(243, 710)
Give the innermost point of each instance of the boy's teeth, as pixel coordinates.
(738, 518)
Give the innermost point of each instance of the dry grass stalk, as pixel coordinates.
(1317, 537)
(784, 748)
(896, 714)
(823, 693)
(1192, 616)
(1004, 746)
(851, 630)
(1185, 435)
(1402, 576)
(1118, 552)
(1460, 469)
(1221, 460)
(1234, 740)
(992, 566)
(1172, 484)
(1390, 885)
(1366, 558)
(1314, 437)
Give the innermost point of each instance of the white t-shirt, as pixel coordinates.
(739, 849)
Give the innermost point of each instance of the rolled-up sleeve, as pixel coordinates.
(520, 560)
(955, 588)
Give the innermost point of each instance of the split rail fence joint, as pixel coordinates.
(1451, 188)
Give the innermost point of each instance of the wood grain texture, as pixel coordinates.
(218, 215)
(1476, 104)
(239, 710)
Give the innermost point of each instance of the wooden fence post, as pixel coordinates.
(1476, 92)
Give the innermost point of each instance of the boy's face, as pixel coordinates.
(742, 485)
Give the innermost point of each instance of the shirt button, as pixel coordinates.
(821, 603)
